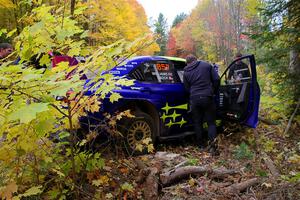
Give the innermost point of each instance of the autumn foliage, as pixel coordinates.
(214, 30)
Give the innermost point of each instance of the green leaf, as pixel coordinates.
(84, 34)
(63, 87)
(29, 77)
(28, 112)
(3, 31)
(243, 152)
(11, 33)
(33, 191)
(45, 60)
(74, 51)
(80, 10)
(127, 186)
(64, 134)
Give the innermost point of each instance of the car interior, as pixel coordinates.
(234, 91)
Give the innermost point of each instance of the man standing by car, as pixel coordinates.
(201, 81)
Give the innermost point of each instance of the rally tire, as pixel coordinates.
(135, 130)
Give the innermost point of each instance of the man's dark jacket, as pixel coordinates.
(200, 79)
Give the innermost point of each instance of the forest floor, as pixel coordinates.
(261, 163)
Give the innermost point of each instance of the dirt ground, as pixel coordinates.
(263, 155)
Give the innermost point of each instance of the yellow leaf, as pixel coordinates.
(150, 148)
(295, 159)
(192, 182)
(103, 180)
(58, 172)
(62, 66)
(112, 122)
(267, 185)
(147, 141)
(6, 4)
(114, 97)
(95, 107)
(139, 147)
(128, 114)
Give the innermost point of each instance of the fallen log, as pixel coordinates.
(151, 185)
(239, 187)
(148, 177)
(184, 172)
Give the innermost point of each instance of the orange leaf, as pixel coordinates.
(7, 192)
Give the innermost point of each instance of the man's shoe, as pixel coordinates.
(214, 151)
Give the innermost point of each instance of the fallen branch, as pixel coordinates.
(181, 164)
(183, 172)
(267, 121)
(291, 118)
(270, 165)
(239, 187)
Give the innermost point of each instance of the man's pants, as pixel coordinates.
(204, 109)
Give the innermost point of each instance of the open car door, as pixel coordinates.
(239, 92)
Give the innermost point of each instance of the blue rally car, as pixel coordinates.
(160, 103)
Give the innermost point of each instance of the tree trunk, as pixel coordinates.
(294, 66)
(73, 2)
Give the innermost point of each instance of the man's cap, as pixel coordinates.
(5, 46)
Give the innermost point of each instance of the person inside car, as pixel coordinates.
(201, 81)
(239, 71)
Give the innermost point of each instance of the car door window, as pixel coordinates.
(179, 68)
(239, 72)
(165, 72)
(146, 72)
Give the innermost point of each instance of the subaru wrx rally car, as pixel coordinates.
(160, 102)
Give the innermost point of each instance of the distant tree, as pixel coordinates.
(171, 45)
(161, 29)
(178, 19)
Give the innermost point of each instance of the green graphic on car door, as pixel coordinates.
(170, 118)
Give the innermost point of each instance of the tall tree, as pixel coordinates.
(178, 19)
(129, 21)
(161, 29)
(277, 35)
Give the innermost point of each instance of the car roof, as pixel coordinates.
(134, 62)
(145, 58)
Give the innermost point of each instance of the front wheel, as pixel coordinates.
(139, 133)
